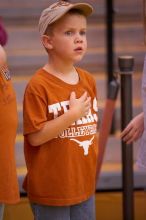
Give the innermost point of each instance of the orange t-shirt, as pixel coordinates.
(9, 191)
(62, 171)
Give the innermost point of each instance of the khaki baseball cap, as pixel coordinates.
(57, 10)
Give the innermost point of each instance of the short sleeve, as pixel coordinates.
(34, 112)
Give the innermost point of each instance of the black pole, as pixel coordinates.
(110, 49)
(126, 64)
(109, 39)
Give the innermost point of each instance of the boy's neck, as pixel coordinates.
(59, 67)
(66, 73)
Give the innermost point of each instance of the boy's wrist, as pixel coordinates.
(74, 114)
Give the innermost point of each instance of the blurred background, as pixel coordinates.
(112, 32)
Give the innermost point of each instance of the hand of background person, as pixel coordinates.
(134, 129)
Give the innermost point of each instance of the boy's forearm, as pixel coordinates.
(53, 128)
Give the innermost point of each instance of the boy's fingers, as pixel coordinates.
(73, 95)
(88, 99)
(84, 96)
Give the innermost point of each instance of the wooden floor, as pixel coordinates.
(108, 206)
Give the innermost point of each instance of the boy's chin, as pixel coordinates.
(78, 59)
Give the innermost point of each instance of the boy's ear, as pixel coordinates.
(47, 42)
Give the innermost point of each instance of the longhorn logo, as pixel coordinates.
(84, 144)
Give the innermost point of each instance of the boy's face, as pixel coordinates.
(68, 40)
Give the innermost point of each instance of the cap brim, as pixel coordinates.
(84, 7)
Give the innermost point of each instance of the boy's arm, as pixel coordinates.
(78, 108)
(134, 129)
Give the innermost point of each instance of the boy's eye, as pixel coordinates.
(68, 33)
(82, 32)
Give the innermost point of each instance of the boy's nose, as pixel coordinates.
(79, 39)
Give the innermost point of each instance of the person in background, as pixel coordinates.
(60, 120)
(9, 190)
(136, 129)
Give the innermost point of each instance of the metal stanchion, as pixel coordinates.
(110, 48)
(126, 64)
(109, 39)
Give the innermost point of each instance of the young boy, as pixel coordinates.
(9, 191)
(60, 121)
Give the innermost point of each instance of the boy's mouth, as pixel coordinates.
(79, 49)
